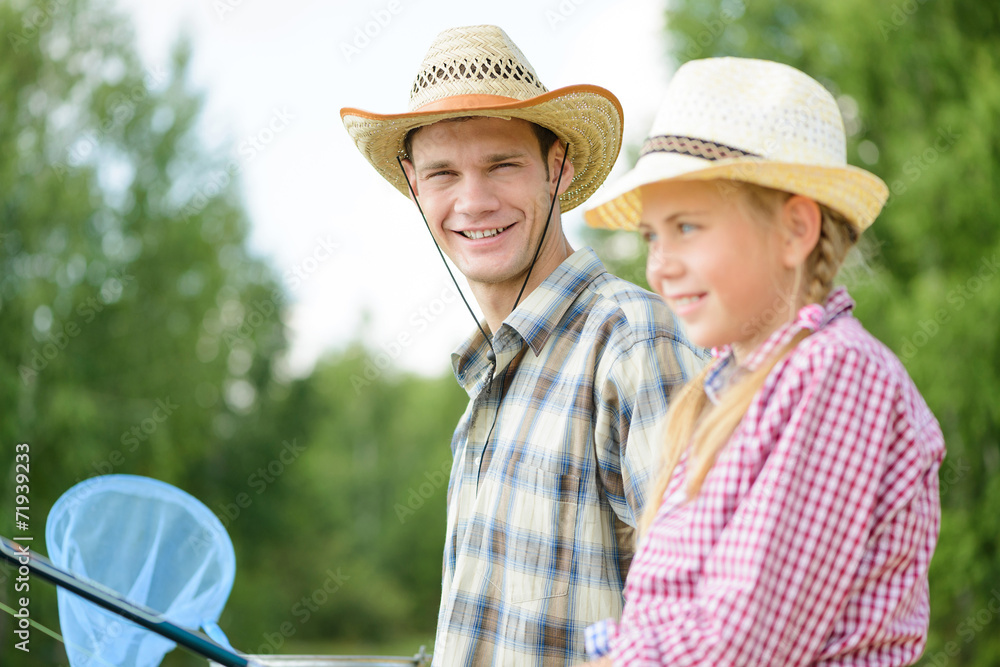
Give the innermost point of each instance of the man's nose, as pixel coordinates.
(476, 196)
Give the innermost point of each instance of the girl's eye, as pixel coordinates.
(647, 236)
(686, 227)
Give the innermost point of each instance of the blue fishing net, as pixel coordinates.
(152, 543)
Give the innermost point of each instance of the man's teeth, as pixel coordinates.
(684, 300)
(483, 234)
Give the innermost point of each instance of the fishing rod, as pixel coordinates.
(103, 596)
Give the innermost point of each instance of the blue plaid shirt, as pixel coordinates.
(540, 518)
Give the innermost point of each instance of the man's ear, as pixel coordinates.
(801, 221)
(555, 162)
(411, 175)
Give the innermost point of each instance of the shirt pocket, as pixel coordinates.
(535, 536)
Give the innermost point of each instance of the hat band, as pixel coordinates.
(700, 148)
(466, 102)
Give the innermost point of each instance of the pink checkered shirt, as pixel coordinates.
(810, 541)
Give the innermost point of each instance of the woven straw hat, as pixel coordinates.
(479, 71)
(747, 120)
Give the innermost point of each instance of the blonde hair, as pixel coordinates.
(693, 423)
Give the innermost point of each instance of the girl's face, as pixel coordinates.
(721, 272)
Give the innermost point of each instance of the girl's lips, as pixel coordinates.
(684, 304)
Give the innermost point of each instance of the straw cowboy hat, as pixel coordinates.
(479, 71)
(747, 120)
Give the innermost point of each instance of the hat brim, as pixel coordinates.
(587, 118)
(855, 193)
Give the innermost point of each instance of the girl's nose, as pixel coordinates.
(662, 264)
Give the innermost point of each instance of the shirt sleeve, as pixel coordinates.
(836, 451)
(632, 400)
(597, 638)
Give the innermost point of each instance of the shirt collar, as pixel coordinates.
(813, 317)
(533, 321)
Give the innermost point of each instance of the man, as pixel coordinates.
(570, 371)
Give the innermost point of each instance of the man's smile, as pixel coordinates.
(483, 233)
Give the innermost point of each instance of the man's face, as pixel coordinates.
(483, 187)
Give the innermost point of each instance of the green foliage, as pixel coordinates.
(113, 301)
(125, 280)
(919, 86)
(361, 511)
(125, 284)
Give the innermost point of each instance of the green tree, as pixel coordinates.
(126, 286)
(351, 536)
(124, 280)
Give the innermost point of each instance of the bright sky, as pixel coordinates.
(351, 250)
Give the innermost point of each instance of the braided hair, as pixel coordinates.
(696, 426)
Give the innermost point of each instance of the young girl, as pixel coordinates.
(797, 510)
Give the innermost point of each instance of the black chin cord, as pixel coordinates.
(491, 354)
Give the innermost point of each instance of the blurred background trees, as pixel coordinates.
(125, 284)
(139, 336)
